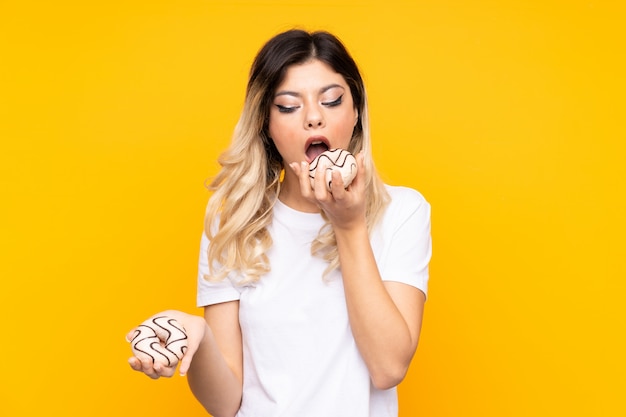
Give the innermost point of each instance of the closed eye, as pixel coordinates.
(286, 109)
(334, 102)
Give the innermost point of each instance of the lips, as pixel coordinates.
(316, 145)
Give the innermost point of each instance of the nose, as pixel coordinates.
(314, 123)
(314, 119)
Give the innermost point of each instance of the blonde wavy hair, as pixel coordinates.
(248, 184)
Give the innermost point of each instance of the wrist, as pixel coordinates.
(354, 230)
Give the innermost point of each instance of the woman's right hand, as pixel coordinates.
(194, 326)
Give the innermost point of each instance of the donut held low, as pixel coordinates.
(163, 339)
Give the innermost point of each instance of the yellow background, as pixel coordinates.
(507, 115)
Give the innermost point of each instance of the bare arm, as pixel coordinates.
(386, 317)
(215, 375)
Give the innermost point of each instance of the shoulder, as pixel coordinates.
(407, 208)
(406, 200)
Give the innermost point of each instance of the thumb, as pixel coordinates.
(192, 348)
(185, 362)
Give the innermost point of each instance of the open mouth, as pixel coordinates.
(315, 148)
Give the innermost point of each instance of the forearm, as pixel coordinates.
(380, 331)
(212, 380)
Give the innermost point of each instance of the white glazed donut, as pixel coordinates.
(334, 160)
(161, 338)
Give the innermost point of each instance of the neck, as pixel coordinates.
(291, 197)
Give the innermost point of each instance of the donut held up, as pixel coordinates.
(162, 339)
(334, 160)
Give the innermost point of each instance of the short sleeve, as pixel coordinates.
(407, 245)
(210, 292)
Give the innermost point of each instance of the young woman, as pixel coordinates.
(313, 298)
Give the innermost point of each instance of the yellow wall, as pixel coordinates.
(507, 115)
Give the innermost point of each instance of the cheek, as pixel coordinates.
(275, 129)
(280, 134)
(345, 128)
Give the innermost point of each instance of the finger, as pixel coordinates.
(320, 189)
(295, 167)
(185, 362)
(360, 172)
(299, 170)
(164, 371)
(147, 367)
(152, 370)
(337, 190)
(304, 178)
(130, 335)
(134, 363)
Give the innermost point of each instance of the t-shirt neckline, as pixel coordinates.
(295, 218)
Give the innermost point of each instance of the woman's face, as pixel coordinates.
(312, 111)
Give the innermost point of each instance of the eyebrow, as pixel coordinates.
(296, 94)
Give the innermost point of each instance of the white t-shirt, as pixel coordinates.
(300, 358)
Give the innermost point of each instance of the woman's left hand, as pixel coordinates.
(345, 207)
